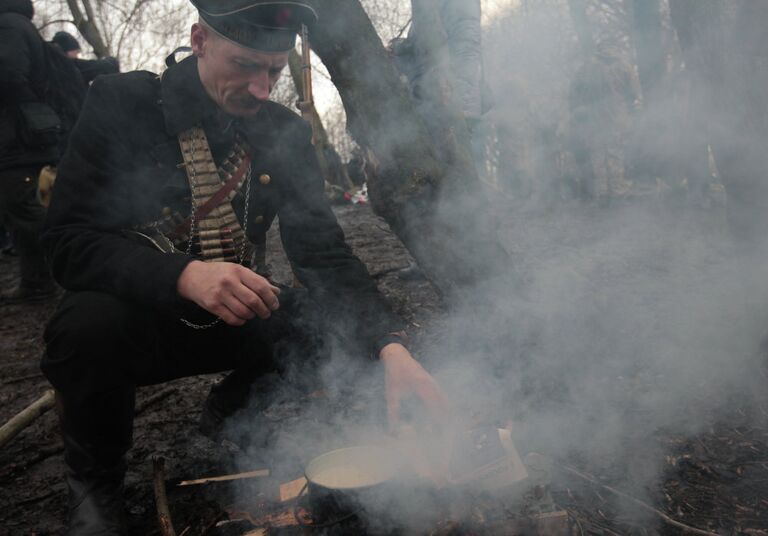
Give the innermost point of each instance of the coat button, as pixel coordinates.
(258, 220)
(264, 179)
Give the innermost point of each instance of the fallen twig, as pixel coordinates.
(385, 271)
(40, 455)
(641, 504)
(38, 498)
(157, 397)
(226, 478)
(26, 417)
(20, 379)
(281, 519)
(161, 500)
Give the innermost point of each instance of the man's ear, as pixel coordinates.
(199, 38)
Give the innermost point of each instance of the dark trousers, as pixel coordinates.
(100, 348)
(24, 215)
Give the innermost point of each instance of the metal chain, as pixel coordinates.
(192, 223)
(245, 213)
(193, 209)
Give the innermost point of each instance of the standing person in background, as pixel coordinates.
(470, 95)
(89, 69)
(601, 100)
(41, 92)
(68, 44)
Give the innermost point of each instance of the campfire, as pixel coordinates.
(480, 486)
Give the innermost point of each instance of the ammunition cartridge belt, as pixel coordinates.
(216, 235)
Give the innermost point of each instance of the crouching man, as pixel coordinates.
(162, 203)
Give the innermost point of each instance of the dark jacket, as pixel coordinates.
(121, 170)
(22, 80)
(90, 69)
(33, 73)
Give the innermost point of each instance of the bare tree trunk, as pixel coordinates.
(86, 25)
(743, 158)
(649, 46)
(725, 51)
(436, 207)
(578, 11)
(699, 29)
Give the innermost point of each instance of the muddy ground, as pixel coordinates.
(714, 479)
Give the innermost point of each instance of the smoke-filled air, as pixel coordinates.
(560, 322)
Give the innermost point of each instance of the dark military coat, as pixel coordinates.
(23, 79)
(122, 168)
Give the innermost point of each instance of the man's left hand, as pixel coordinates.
(405, 377)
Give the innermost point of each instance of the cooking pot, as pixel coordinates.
(343, 483)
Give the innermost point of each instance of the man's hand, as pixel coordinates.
(230, 291)
(405, 376)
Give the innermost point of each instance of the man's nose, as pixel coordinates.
(258, 86)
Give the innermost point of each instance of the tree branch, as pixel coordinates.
(87, 27)
(54, 21)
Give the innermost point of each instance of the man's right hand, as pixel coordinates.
(230, 291)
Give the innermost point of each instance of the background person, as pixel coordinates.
(89, 69)
(40, 97)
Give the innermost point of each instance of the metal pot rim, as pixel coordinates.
(381, 460)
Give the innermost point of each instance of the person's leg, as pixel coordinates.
(24, 216)
(292, 337)
(99, 348)
(90, 341)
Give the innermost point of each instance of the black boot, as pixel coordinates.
(97, 434)
(96, 505)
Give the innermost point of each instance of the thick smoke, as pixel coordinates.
(631, 319)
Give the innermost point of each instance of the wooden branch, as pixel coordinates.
(226, 478)
(127, 23)
(36, 499)
(52, 22)
(39, 455)
(641, 504)
(155, 398)
(87, 27)
(161, 500)
(23, 378)
(26, 417)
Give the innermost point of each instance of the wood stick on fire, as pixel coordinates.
(26, 417)
(161, 499)
(226, 478)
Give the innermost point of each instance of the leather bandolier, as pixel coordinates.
(212, 231)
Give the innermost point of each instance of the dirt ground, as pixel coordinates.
(715, 479)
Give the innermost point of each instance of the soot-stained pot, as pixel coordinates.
(348, 481)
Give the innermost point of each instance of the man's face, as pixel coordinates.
(238, 79)
(74, 54)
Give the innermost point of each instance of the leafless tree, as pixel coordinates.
(140, 33)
